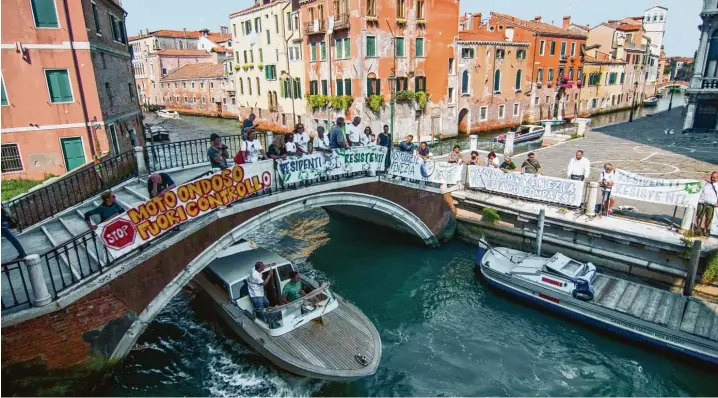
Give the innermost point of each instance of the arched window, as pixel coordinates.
(241, 86)
(181, 45)
(497, 81)
(518, 80)
(249, 85)
(465, 82)
(258, 91)
(712, 63)
(274, 97)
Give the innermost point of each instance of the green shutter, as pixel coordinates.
(419, 47)
(261, 55)
(347, 48)
(371, 46)
(399, 46)
(58, 85)
(323, 48)
(44, 13)
(368, 88)
(3, 100)
(298, 88)
(313, 52)
(348, 86)
(338, 47)
(340, 87)
(282, 91)
(325, 88)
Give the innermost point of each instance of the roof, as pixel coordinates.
(542, 29)
(222, 50)
(256, 7)
(196, 71)
(628, 27)
(183, 53)
(236, 262)
(584, 27)
(192, 34)
(591, 60)
(485, 37)
(218, 37)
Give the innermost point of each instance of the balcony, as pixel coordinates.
(563, 58)
(341, 22)
(318, 26)
(709, 83)
(633, 46)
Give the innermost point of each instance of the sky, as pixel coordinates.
(681, 22)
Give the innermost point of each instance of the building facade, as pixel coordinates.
(68, 92)
(702, 111)
(604, 88)
(197, 89)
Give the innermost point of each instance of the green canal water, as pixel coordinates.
(444, 332)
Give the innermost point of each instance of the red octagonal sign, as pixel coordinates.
(119, 234)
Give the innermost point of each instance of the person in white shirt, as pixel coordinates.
(366, 137)
(290, 146)
(491, 161)
(579, 167)
(301, 138)
(354, 133)
(251, 148)
(707, 205)
(255, 286)
(372, 140)
(321, 141)
(607, 182)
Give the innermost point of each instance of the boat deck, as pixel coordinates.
(661, 307)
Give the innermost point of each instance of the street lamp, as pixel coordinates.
(633, 105)
(673, 88)
(392, 90)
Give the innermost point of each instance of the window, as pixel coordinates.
(312, 52)
(400, 11)
(192, 84)
(400, 47)
(497, 81)
(261, 56)
(419, 84)
(289, 20)
(259, 92)
(117, 27)
(201, 85)
(542, 47)
(420, 9)
(249, 85)
(550, 75)
(539, 75)
(241, 86)
(552, 48)
(465, 82)
(518, 80)
(570, 74)
(3, 94)
(579, 72)
(270, 72)
(131, 90)
(269, 39)
(276, 23)
(483, 113)
(612, 78)
(44, 13)
(500, 53)
(347, 86)
(502, 111)
(313, 87)
(96, 17)
(251, 56)
(58, 85)
(573, 49)
(343, 48)
(371, 8)
(623, 77)
(520, 54)
(516, 109)
(11, 160)
(451, 95)
(371, 46)
(563, 49)
(451, 66)
(402, 83)
(467, 53)
(258, 25)
(323, 51)
(211, 84)
(419, 47)
(298, 88)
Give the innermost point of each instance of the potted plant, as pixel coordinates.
(372, 19)
(579, 83)
(260, 66)
(375, 102)
(421, 22)
(237, 67)
(401, 21)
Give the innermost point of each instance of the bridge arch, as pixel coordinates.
(410, 222)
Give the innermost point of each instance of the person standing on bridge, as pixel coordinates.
(159, 183)
(248, 123)
(707, 205)
(384, 138)
(531, 165)
(217, 153)
(301, 138)
(354, 133)
(251, 148)
(608, 176)
(320, 143)
(7, 222)
(407, 146)
(107, 209)
(579, 167)
(336, 135)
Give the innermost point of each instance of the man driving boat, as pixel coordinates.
(293, 289)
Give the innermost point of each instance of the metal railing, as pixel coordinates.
(172, 155)
(15, 285)
(341, 22)
(444, 147)
(709, 83)
(321, 27)
(72, 189)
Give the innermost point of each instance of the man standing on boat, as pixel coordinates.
(707, 205)
(255, 286)
(579, 167)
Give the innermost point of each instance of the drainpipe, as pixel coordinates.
(286, 57)
(79, 79)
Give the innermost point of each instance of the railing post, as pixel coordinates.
(509, 144)
(592, 198)
(141, 165)
(692, 268)
(539, 234)
(37, 280)
(687, 221)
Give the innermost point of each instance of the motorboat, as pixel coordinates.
(650, 102)
(156, 133)
(320, 335)
(524, 133)
(659, 94)
(163, 113)
(578, 290)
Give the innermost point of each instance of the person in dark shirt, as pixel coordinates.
(106, 210)
(384, 139)
(277, 150)
(159, 183)
(336, 135)
(217, 153)
(508, 165)
(7, 222)
(247, 123)
(423, 151)
(407, 146)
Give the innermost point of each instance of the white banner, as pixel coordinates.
(153, 218)
(529, 186)
(683, 193)
(408, 165)
(325, 164)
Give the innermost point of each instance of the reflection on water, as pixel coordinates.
(623, 116)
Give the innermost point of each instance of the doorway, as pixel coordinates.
(706, 113)
(73, 152)
(464, 121)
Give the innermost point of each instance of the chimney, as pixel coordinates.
(185, 32)
(476, 21)
(140, 35)
(224, 30)
(537, 18)
(566, 22)
(147, 32)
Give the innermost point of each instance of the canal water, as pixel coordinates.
(444, 332)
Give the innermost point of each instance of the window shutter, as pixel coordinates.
(338, 47)
(378, 87)
(53, 86)
(3, 101)
(44, 13)
(368, 88)
(347, 48)
(348, 86)
(370, 46)
(340, 87)
(298, 89)
(282, 91)
(325, 88)
(419, 47)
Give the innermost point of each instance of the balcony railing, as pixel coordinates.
(341, 22)
(710, 83)
(315, 27)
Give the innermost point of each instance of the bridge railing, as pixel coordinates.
(15, 285)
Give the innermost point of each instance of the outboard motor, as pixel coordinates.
(584, 290)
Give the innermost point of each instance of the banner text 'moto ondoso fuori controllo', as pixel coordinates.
(540, 188)
(151, 219)
(326, 164)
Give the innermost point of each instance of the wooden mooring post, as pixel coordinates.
(692, 268)
(539, 233)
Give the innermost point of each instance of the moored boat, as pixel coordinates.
(524, 133)
(167, 114)
(681, 324)
(319, 335)
(650, 102)
(156, 133)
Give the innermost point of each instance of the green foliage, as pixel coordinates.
(405, 95)
(260, 66)
(14, 187)
(372, 19)
(711, 272)
(421, 22)
(574, 136)
(375, 102)
(247, 66)
(490, 215)
(341, 102)
(422, 99)
(237, 67)
(401, 21)
(317, 101)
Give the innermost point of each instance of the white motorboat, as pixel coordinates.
(681, 324)
(155, 133)
(167, 114)
(650, 102)
(320, 335)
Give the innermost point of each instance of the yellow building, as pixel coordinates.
(605, 87)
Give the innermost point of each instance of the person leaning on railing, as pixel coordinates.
(217, 153)
(107, 209)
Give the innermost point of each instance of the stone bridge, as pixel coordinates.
(101, 316)
(681, 84)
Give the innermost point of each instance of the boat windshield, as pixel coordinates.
(312, 304)
(564, 266)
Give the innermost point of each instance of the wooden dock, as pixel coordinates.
(664, 308)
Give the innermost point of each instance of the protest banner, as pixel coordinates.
(408, 165)
(326, 164)
(529, 186)
(145, 222)
(682, 193)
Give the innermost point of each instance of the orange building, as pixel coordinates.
(360, 48)
(68, 93)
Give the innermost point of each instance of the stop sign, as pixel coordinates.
(119, 234)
